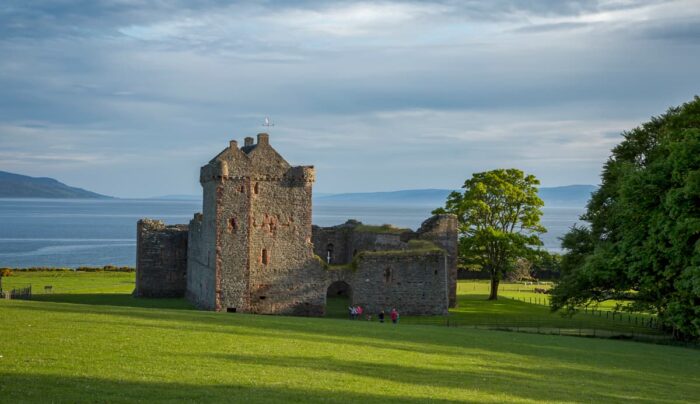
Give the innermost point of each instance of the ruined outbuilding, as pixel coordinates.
(253, 248)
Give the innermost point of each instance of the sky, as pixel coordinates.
(129, 98)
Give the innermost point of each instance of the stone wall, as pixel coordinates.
(413, 282)
(161, 259)
(201, 268)
(344, 241)
(348, 239)
(442, 230)
(333, 242)
(284, 277)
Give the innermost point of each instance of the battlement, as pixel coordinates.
(255, 162)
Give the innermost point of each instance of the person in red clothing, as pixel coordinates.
(359, 311)
(394, 316)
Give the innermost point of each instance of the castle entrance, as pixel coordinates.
(338, 298)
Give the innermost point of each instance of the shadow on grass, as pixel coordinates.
(523, 366)
(495, 382)
(16, 388)
(331, 330)
(513, 379)
(114, 299)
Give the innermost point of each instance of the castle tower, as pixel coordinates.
(250, 249)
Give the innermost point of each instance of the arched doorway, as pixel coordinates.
(338, 298)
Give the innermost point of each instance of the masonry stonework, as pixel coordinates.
(163, 251)
(253, 248)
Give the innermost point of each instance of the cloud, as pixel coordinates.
(379, 95)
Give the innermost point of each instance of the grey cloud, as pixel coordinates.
(685, 30)
(561, 26)
(432, 98)
(89, 18)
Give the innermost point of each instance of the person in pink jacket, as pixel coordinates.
(394, 316)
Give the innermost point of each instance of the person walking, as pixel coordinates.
(359, 312)
(394, 316)
(350, 309)
(380, 316)
(353, 313)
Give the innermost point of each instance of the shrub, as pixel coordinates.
(5, 272)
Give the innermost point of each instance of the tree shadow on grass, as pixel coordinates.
(506, 362)
(505, 382)
(425, 339)
(511, 379)
(54, 388)
(114, 299)
(544, 345)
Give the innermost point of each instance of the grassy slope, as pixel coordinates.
(103, 352)
(73, 352)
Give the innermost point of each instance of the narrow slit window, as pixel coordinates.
(329, 253)
(265, 257)
(232, 225)
(256, 188)
(387, 275)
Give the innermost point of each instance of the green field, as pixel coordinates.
(108, 347)
(113, 288)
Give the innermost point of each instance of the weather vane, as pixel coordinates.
(268, 122)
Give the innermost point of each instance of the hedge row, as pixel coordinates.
(106, 268)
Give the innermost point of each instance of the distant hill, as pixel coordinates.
(22, 186)
(566, 196)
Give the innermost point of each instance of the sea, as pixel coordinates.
(72, 233)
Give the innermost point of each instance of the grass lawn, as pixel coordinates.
(475, 311)
(114, 288)
(79, 352)
(73, 282)
(97, 288)
(91, 341)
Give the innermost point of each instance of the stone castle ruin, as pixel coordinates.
(253, 249)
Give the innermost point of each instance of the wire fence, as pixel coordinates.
(635, 319)
(23, 293)
(524, 327)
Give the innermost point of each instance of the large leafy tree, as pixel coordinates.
(643, 243)
(499, 215)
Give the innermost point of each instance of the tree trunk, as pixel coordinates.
(494, 288)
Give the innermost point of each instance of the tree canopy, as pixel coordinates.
(643, 243)
(499, 215)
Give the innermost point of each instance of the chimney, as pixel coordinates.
(233, 144)
(263, 138)
(248, 141)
